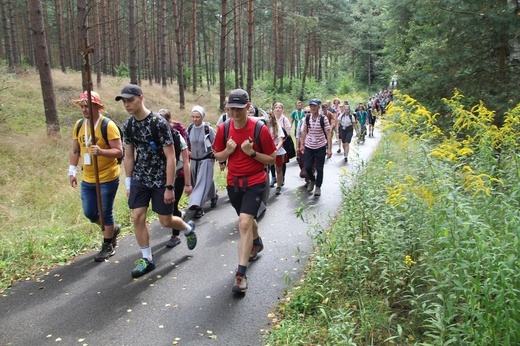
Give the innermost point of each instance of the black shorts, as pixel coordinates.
(371, 119)
(248, 201)
(140, 196)
(346, 134)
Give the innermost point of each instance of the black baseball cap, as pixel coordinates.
(237, 98)
(129, 91)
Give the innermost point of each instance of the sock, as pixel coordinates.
(242, 270)
(107, 240)
(175, 232)
(187, 230)
(147, 253)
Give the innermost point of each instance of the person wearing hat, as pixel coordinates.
(106, 153)
(201, 136)
(150, 174)
(316, 143)
(246, 176)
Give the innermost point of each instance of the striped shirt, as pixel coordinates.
(315, 137)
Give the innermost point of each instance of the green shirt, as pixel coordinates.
(297, 116)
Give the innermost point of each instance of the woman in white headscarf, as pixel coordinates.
(200, 141)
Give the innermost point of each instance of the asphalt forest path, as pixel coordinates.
(187, 299)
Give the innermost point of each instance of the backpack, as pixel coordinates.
(155, 134)
(322, 123)
(206, 132)
(258, 127)
(104, 133)
(177, 126)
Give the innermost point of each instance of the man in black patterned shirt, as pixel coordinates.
(150, 174)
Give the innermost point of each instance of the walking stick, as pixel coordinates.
(85, 51)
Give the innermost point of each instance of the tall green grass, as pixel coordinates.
(425, 248)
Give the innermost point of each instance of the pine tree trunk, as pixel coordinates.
(250, 46)
(42, 58)
(61, 41)
(7, 35)
(180, 77)
(194, 45)
(222, 60)
(132, 47)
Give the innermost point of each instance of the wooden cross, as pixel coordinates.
(85, 50)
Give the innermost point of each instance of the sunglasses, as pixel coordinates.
(306, 112)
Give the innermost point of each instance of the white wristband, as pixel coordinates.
(72, 170)
(128, 182)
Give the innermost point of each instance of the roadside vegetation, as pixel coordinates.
(425, 250)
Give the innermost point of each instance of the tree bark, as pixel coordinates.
(82, 32)
(61, 41)
(180, 76)
(163, 44)
(132, 47)
(194, 46)
(250, 42)
(7, 34)
(42, 58)
(222, 60)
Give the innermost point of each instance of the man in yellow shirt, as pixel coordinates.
(107, 153)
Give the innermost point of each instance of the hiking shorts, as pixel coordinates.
(346, 134)
(140, 196)
(248, 201)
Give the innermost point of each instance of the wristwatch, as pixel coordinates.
(169, 187)
(253, 155)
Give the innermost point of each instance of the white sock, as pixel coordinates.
(187, 230)
(147, 252)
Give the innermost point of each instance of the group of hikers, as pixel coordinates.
(163, 160)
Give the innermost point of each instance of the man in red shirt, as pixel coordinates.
(246, 176)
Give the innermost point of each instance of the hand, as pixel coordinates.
(247, 146)
(73, 181)
(188, 190)
(169, 196)
(95, 150)
(222, 166)
(329, 153)
(231, 145)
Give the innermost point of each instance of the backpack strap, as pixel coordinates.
(258, 128)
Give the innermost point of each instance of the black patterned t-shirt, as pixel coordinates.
(150, 162)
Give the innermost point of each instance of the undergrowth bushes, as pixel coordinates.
(425, 248)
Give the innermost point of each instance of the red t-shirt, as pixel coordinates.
(239, 163)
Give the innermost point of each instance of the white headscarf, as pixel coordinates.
(199, 109)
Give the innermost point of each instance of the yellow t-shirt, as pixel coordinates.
(107, 167)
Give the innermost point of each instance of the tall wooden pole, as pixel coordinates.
(85, 51)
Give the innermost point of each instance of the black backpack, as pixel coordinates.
(155, 134)
(322, 123)
(104, 133)
(258, 127)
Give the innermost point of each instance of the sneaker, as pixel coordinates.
(240, 285)
(106, 251)
(191, 239)
(317, 192)
(142, 266)
(117, 230)
(346, 159)
(173, 241)
(254, 252)
(273, 182)
(199, 213)
(311, 186)
(214, 202)
(278, 190)
(339, 151)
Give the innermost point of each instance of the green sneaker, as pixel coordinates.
(142, 266)
(191, 238)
